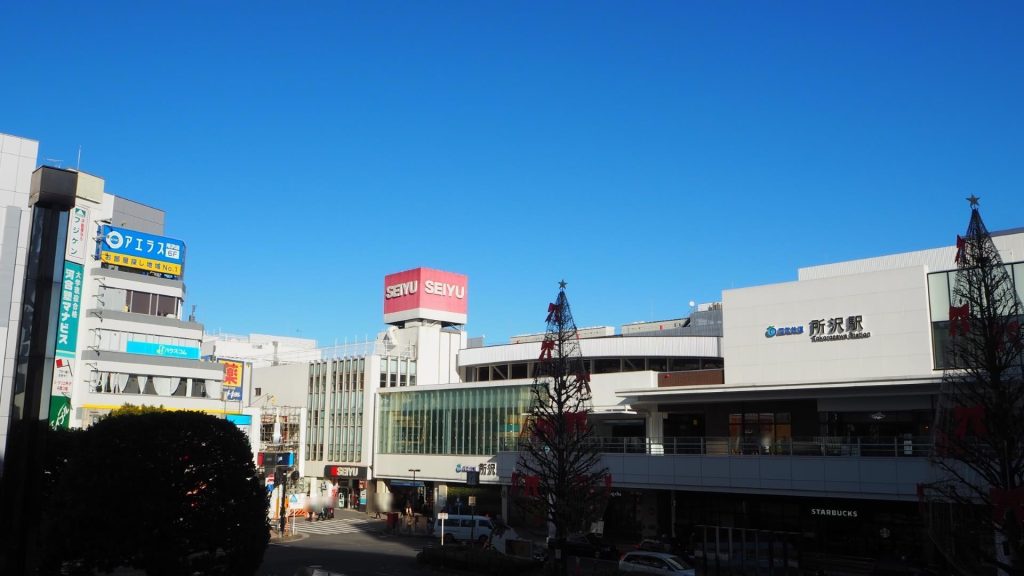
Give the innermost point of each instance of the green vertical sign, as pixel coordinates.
(67, 345)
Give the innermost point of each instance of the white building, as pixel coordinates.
(17, 161)
(122, 338)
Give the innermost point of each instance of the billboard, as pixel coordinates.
(232, 386)
(426, 293)
(132, 249)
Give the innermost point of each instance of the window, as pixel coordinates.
(657, 364)
(681, 364)
(518, 371)
(606, 365)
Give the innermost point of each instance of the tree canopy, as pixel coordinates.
(167, 492)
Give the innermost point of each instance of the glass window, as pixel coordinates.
(139, 303)
(657, 364)
(518, 371)
(606, 365)
(680, 364)
(632, 364)
(938, 296)
(1018, 280)
(167, 306)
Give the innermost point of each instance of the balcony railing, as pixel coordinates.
(892, 446)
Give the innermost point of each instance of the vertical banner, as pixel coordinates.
(78, 235)
(75, 249)
(67, 345)
(231, 389)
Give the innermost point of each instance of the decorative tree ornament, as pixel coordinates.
(559, 464)
(979, 418)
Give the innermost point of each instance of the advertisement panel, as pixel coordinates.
(165, 350)
(232, 386)
(426, 293)
(132, 249)
(67, 344)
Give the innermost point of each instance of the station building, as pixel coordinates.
(788, 424)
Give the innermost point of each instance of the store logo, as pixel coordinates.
(772, 331)
(114, 239)
(833, 512)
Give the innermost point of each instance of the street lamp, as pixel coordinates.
(414, 471)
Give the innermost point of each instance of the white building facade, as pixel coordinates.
(17, 161)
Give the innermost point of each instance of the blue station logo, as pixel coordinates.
(772, 331)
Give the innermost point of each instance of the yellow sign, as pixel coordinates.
(141, 263)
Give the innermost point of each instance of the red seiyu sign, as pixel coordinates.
(426, 293)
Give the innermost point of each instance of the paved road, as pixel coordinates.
(351, 544)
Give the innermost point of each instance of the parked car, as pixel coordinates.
(653, 545)
(642, 562)
(590, 546)
(463, 527)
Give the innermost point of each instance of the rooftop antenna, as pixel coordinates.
(54, 161)
(78, 166)
(192, 316)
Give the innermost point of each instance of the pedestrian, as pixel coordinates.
(376, 512)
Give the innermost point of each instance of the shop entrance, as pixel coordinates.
(728, 550)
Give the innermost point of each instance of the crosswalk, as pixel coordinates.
(334, 526)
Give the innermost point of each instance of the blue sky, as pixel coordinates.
(650, 153)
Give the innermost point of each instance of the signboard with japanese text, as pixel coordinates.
(70, 304)
(78, 235)
(165, 350)
(426, 293)
(232, 386)
(67, 345)
(132, 249)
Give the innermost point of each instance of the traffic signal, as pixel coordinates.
(472, 477)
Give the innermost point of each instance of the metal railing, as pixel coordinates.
(891, 446)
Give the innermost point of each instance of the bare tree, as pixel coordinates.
(975, 508)
(559, 474)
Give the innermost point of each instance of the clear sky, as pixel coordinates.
(650, 153)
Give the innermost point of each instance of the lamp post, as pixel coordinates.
(415, 487)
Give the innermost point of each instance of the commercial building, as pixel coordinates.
(789, 424)
(425, 309)
(120, 332)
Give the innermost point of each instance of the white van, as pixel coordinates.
(464, 527)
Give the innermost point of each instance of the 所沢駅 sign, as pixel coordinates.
(133, 249)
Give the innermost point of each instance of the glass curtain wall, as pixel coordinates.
(940, 286)
(460, 421)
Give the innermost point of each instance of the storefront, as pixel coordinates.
(737, 531)
(349, 485)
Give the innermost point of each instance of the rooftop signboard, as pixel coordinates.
(148, 252)
(425, 293)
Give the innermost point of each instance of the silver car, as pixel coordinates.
(641, 562)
